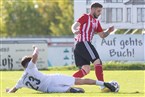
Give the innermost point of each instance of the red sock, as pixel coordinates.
(80, 73)
(99, 72)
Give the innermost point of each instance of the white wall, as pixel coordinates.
(80, 8)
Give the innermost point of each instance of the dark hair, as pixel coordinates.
(25, 60)
(95, 5)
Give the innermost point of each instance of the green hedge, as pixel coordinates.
(108, 66)
(124, 66)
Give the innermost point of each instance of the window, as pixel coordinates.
(114, 15)
(107, 1)
(128, 15)
(88, 2)
(140, 14)
(113, 1)
(103, 15)
(120, 1)
(119, 14)
(109, 15)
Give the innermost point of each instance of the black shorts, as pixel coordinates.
(84, 53)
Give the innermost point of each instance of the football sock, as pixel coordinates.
(80, 73)
(100, 83)
(99, 72)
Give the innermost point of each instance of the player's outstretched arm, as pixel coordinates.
(35, 54)
(106, 33)
(12, 90)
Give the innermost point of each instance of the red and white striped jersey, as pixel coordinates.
(88, 27)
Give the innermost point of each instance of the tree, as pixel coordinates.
(41, 17)
(65, 18)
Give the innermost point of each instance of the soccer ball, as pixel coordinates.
(115, 84)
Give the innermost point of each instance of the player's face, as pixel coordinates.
(97, 12)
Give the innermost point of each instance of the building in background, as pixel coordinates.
(123, 14)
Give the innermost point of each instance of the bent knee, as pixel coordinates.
(97, 61)
(86, 68)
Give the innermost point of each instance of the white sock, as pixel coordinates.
(102, 87)
(100, 83)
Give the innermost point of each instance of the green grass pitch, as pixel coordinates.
(131, 85)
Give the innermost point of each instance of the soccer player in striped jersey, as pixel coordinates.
(84, 29)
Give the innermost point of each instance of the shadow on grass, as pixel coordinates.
(56, 93)
(140, 93)
(131, 92)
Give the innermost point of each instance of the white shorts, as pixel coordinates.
(60, 83)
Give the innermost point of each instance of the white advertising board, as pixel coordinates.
(60, 56)
(59, 52)
(11, 53)
(120, 47)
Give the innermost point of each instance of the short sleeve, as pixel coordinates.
(83, 19)
(19, 84)
(31, 65)
(99, 28)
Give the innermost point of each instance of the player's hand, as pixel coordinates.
(34, 46)
(110, 29)
(35, 49)
(77, 32)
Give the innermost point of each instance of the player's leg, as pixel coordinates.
(83, 70)
(65, 89)
(95, 59)
(87, 81)
(80, 61)
(63, 83)
(99, 73)
(79, 81)
(98, 69)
